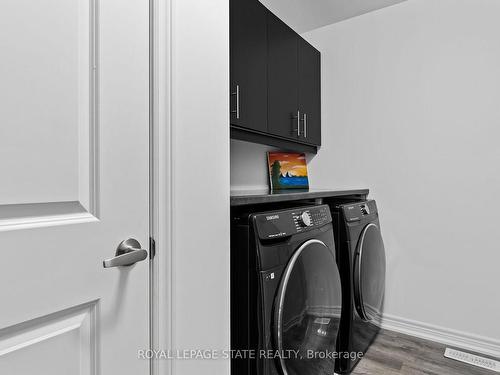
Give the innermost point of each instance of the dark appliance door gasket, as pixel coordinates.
(367, 313)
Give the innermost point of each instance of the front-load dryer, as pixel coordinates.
(361, 259)
(285, 293)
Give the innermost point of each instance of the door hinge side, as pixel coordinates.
(152, 248)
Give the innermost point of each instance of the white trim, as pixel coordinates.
(161, 181)
(48, 221)
(457, 339)
(170, 20)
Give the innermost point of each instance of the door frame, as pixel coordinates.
(171, 39)
(160, 291)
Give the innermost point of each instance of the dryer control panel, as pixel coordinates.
(357, 211)
(277, 224)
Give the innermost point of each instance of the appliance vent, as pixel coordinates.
(472, 359)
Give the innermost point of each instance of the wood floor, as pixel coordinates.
(396, 354)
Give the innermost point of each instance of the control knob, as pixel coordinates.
(305, 219)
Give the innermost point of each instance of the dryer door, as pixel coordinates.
(369, 273)
(307, 311)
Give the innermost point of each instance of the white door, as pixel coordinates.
(74, 173)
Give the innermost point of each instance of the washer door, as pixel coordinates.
(369, 273)
(307, 311)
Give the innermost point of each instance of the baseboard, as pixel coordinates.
(456, 339)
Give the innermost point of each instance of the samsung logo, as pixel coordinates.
(272, 217)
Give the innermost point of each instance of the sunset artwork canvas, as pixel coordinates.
(287, 170)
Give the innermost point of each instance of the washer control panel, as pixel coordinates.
(305, 219)
(271, 225)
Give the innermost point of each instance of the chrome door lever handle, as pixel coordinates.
(127, 253)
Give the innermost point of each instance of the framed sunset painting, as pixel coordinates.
(287, 170)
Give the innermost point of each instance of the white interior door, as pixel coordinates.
(74, 150)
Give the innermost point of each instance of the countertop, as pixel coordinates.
(250, 197)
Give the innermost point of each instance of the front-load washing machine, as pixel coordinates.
(285, 292)
(361, 259)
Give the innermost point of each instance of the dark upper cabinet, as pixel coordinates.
(248, 68)
(309, 82)
(275, 81)
(282, 82)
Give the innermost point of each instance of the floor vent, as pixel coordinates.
(472, 359)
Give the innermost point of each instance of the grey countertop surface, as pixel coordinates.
(249, 197)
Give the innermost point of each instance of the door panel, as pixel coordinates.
(248, 41)
(308, 308)
(310, 92)
(43, 340)
(283, 84)
(369, 273)
(74, 154)
(46, 101)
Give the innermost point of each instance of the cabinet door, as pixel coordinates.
(310, 92)
(282, 82)
(248, 23)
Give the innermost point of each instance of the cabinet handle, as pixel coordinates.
(305, 125)
(298, 123)
(237, 93)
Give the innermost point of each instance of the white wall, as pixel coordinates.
(248, 165)
(411, 110)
